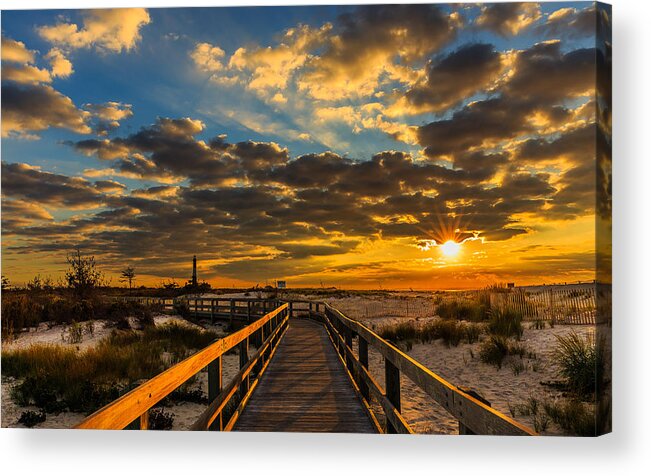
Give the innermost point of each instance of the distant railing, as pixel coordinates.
(241, 309)
(474, 416)
(134, 406)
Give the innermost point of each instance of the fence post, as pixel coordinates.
(291, 309)
(215, 388)
(392, 379)
(363, 359)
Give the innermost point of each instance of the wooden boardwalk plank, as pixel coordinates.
(305, 388)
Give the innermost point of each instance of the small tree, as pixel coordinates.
(128, 275)
(170, 284)
(82, 276)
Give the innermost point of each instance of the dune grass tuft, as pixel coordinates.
(581, 362)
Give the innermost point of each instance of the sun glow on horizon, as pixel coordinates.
(450, 248)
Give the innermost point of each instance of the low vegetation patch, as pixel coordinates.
(31, 418)
(581, 362)
(463, 310)
(159, 419)
(56, 378)
(505, 322)
(451, 332)
(496, 348)
(28, 309)
(573, 416)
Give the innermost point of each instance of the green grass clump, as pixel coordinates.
(496, 348)
(581, 362)
(451, 332)
(505, 322)
(57, 377)
(463, 310)
(573, 416)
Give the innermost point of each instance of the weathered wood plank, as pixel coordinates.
(305, 388)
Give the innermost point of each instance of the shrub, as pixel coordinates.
(573, 416)
(506, 322)
(450, 331)
(538, 324)
(462, 310)
(496, 348)
(31, 418)
(182, 309)
(159, 419)
(581, 363)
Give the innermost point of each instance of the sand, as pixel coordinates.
(501, 387)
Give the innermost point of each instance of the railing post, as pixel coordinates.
(144, 421)
(349, 343)
(232, 311)
(363, 359)
(212, 311)
(244, 358)
(392, 380)
(291, 309)
(215, 388)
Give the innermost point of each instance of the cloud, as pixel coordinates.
(208, 58)
(544, 73)
(108, 115)
(16, 51)
(26, 74)
(27, 182)
(570, 22)
(61, 66)
(462, 73)
(17, 64)
(107, 30)
(27, 108)
(508, 19)
(372, 41)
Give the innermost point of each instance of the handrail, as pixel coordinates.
(475, 417)
(136, 404)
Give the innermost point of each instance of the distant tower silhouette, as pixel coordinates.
(194, 270)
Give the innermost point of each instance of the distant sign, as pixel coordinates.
(282, 284)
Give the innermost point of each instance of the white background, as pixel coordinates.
(625, 451)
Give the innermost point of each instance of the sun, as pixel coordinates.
(450, 248)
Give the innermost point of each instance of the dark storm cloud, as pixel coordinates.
(462, 73)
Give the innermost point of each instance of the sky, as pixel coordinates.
(321, 145)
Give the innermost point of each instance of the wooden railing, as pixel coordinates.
(244, 309)
(134, 406)
(474, 416)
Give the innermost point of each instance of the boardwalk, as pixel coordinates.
(305, 388)
(296, 380)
